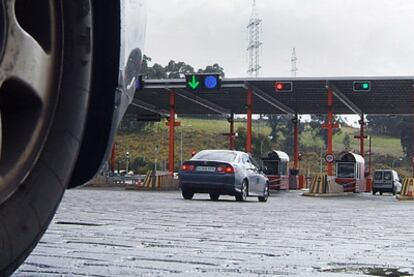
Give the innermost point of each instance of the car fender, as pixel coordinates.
(115, 83)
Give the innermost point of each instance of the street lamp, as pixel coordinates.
(127, 162)
(156, 152)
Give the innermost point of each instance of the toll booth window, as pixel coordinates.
(378, 175)
(345, 170)
(387, 176)
(271, 167)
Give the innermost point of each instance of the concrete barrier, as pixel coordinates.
(158, 181)
(325, 186)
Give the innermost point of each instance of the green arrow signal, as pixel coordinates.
(194, 83)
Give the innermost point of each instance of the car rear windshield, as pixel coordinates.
(387, 176)
(378, 175)
(216, 156)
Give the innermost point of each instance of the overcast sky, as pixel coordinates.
(332, 37)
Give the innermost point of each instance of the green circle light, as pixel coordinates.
(365, 86)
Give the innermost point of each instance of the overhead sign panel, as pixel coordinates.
(203, 82)
(284, 86)
(362, 86)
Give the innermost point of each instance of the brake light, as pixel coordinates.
(187, 167)
(225, 169)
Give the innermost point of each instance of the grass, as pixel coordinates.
(198, 134)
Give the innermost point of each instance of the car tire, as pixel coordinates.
(242, 195)
(374, 192)
(214, 196)
(381, 193)
(266, 194)
(38, 187)
(187, 195)
(394, 190)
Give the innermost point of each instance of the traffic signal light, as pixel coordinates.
(284, 86)
(197, 82)
(362, 86)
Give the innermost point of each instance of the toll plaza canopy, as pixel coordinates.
(385, 95)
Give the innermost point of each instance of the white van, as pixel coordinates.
(386, 180)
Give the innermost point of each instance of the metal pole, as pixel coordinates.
(249, 121)
(320, 160)
(329, 167)
(127, 162)
(362, 136)
(412, 146)
(232, 135)
(156, 158)
(369, 157)
(172, 133)
(181, 145)
(296, 142)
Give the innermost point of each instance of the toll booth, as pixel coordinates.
(276, 168)
(350, 172)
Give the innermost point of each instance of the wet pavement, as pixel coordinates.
(100, 232)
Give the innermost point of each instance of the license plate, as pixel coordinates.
(206, 168)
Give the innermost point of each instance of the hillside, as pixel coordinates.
(152, 144)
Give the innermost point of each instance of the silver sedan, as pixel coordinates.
(223, 172)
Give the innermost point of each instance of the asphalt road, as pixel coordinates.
(129, 233)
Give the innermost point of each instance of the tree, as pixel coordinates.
(385, 125)
(177, 70)
(396, 126)
(317, 131)
(260, 142)
(174, 70)
(347, 142)
(215, 68)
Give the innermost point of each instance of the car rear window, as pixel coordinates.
(378, 175)
(387, 176)
(216, 156)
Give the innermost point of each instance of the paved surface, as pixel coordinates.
(125, 233)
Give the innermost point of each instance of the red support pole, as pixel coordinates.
(172, 133)
(296, 142)
(249, 121)
(232, 134)
(330, 125)
(362, 136)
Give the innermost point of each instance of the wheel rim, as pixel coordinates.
(244, 191)
(29, 77)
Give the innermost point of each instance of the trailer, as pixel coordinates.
(350, 172)
(276, 168)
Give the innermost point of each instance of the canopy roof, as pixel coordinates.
(388, 95)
